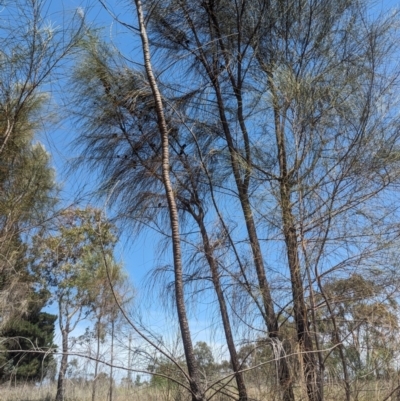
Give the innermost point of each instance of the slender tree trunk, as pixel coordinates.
(60, 396)
(242, 182)
(96, 362)
(196, 391)
(224, 311)
(130, 362)
(311, 371)
(270, 316)
(338, 342)
(112, 358)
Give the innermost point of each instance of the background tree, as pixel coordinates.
(366, 324)
(64, 259)
(108, 282)
(205, 359)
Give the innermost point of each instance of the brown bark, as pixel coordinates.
(311, 371)
(236, 366)
(197, 393)
(242, 182)
(242, 186)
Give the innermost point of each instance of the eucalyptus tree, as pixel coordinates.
(108, 282)
(64, 260)
(365, 311)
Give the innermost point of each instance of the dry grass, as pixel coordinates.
(83, 393)
(370, 391)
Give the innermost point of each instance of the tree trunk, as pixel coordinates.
(96, 362)
(224, 311)
(112, 358)
(60, 396)
(338, 342)
(311, 371)
(269, 313)
(196, 391)
(242, 182)
(129, 377)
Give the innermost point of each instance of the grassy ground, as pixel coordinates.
(371, 391)
(77, 393)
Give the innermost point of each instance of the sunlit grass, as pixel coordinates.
(361, 391)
